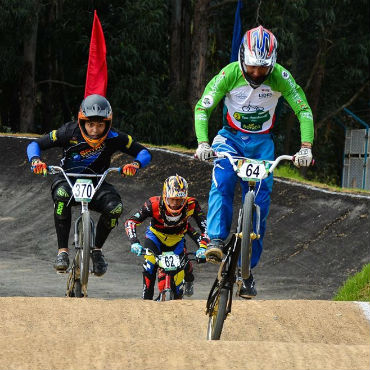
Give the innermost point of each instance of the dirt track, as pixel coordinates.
(132, 334)
(314, 242)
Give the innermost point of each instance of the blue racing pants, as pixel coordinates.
(224, 179)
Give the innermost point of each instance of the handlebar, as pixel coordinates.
(148, 251)
(232, 159)
(57, 169)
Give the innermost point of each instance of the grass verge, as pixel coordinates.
(356, 288)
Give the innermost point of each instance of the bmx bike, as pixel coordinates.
(170, 266)
(83, 191)
(238, 250)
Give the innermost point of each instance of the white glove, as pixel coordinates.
(303, 158)
(204, 151)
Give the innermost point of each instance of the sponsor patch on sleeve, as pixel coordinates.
(129, 141)
(53, 135)
(207, 101)
(285, 75)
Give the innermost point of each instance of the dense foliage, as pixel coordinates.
(323, 43)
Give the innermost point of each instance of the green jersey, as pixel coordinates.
(252, 110)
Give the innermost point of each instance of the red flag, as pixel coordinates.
(97, 72)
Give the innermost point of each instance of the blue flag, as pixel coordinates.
(237, 33)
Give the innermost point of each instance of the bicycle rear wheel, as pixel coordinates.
(247, 229)
(85, 241)
(218, 315)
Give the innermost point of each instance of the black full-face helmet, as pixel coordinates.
(95, 107)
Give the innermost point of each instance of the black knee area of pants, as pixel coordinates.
(111, 213)
(61, 195)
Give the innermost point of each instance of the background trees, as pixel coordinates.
(161, 53)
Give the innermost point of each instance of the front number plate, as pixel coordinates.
(252, 170)
(83, 190)
(169, 261)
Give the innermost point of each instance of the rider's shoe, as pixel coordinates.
(61, 262)
(214, 252)
(99, 264)
(248, 289)
(189, 288)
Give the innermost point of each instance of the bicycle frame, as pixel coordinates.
(84, 232)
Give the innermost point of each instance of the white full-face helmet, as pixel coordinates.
(258, 48)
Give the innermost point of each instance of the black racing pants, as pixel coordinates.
(106, 201)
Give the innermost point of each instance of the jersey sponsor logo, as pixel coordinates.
(265, 95)
(285, 75)
(237, 116)
(252, 108)
(207, 101)
(91, 151)
(252, 120)
(241, 95)
(251, 126)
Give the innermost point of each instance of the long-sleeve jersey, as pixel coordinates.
(80, 156)
(167, 229)
(252, 110)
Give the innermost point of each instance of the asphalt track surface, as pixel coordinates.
(315, 240)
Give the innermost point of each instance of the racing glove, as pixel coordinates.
(38, 167)
(136, 248)
(303, 158)
(204, 151)
(130, 169)
(200, 254)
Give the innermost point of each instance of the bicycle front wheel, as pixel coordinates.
(217, 316)
(85, 241)
(247, 229)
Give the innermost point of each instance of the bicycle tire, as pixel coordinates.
(247, 229)
(218, 316)
(85, 242)
(78, 289)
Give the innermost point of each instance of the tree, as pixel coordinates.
(199, 47)
(27, 100)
